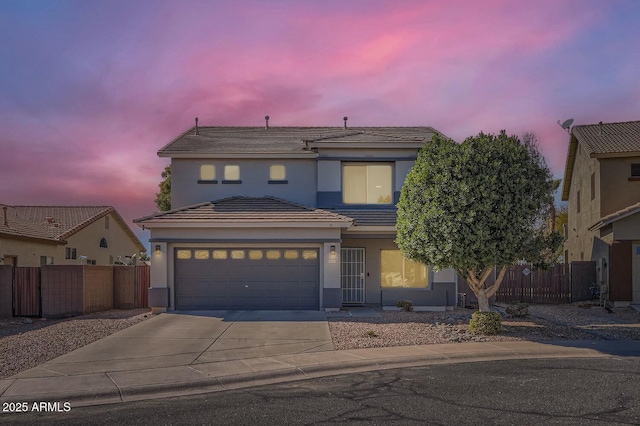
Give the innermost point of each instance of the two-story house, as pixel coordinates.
(288, 218)
(602, 186)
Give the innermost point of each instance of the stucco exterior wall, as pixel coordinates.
(613, 192)
(244, 234)
(28, 252)
(627, 228)
(618, 191)
(579, 243)
(401, 170)
(87, 243)
(301, 180)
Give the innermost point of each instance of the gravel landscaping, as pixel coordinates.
(27, 343)
(544, 323)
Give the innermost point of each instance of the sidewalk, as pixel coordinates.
(138, 383)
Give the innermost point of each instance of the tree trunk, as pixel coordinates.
(483, 301)
(477, 285)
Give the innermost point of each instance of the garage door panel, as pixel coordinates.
(266, 278)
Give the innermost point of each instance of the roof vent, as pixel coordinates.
(266, 121)
(345, 121)
(600, 131)
(196, 133)
(6, 223)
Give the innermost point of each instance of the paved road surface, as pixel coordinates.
(602, 391)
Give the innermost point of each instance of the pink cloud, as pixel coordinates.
(87, 106)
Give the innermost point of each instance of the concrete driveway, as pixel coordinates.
(206, 341)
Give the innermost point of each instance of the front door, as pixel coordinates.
(635, 268)
(352, 275)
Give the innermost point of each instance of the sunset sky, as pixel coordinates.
(90, 90)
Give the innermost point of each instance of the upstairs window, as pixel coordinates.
(367, 183)
(635, 169)
(277, 172)
(231, 172)
(207, 172)
(103, 243)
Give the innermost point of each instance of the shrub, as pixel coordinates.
(518, 310)
(485, 323)
(371, 333)
(406, 305)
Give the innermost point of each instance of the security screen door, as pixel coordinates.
(352, 275)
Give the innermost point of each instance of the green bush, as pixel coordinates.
(406, 305)
(485, 323)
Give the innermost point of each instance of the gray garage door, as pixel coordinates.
(257, 278)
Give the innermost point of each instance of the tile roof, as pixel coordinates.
(620, 214)
(17, 226)
(599, 141)
(285, 140)
(609, 138)
(56, 223)
(245, 210)
(371, 217)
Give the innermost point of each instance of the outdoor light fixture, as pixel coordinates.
(157, 248)
(332, 250)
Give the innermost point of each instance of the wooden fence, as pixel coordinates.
(26, 291)
(560, 284)
(521, 284)
(60, 290)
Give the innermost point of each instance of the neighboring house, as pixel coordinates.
(602, 185)
(65, 235)
(288, 218)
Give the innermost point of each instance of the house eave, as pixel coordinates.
(32, 239)
(614, 154)
(368, 145)
(371, 229)
(251, 155)
(240, 224)
(568, 171)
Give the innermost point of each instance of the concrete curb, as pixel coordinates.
(113, 393)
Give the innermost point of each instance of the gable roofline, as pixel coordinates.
(109, 210)
(31, 218)
(601, 140)
(615, 216)
(568, 168)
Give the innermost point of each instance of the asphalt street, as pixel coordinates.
(602, 391)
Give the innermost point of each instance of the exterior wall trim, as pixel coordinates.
(369, 159)
(243, 241)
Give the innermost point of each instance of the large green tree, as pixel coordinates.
(163, 198)
(477, 205)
